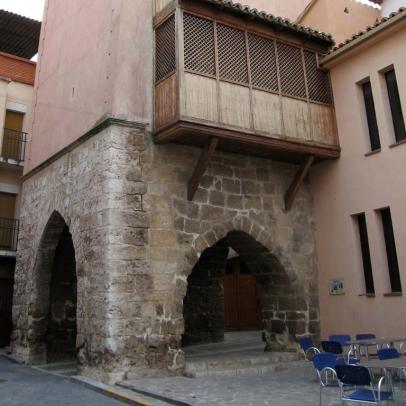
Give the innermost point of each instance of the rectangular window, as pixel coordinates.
(366, 256)
(371, 116)
(395, 106)
(391, 254)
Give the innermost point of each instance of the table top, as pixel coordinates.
(378, 340)
(395, 363)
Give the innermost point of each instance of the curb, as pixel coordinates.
(153, 395)
(121, 394)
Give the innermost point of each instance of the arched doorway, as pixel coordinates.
(238, 284)
(55, 294)
(61, 329)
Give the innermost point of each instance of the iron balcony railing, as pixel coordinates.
(14, 145)
(9, 234)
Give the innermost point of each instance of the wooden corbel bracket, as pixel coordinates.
(297, 181)
(201, 167)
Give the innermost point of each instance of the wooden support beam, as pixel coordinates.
(297, 181)
(201, 167)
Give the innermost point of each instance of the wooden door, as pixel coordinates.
(12, 142)
(240, 300)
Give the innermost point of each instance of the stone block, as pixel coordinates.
(217, 198)
(250, 188)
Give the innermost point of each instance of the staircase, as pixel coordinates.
(241, 353)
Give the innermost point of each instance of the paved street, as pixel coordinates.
(23, 386)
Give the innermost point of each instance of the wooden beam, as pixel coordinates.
(201, 167)
(297, 181)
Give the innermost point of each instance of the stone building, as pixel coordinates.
(166, 180)
(19, 38)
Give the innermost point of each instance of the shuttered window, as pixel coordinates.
(395, 105)
(366, 255)
(371, 116)
(391, 254)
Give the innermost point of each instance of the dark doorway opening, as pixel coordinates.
(61, 331)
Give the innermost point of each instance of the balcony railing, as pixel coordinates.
(14, 145)
(9, 234)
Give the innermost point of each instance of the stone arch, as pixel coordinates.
(284, 297)
(52, 304)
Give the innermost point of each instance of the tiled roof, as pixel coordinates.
(279, 22)
(19, 35)
(371, 28)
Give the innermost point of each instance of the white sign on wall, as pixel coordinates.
(337, 286)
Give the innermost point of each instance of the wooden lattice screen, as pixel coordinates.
(165, 49)
(263, 63)
(291, 70)
(199, 45)
(317, 80)
(267, 59)
(233, 64)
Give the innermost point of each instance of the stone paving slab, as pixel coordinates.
(296, 387)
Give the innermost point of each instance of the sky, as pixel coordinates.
(34, 8)
(28, 8)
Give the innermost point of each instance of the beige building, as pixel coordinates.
(360, 198)
(17, 75)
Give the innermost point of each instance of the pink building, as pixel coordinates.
(359, 205)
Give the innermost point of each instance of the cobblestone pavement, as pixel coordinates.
(297, 387)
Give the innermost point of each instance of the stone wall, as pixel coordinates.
(137, 239)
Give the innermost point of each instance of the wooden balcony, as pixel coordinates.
(253, 87)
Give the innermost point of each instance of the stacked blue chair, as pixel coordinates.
(365, 391)
(336, 348)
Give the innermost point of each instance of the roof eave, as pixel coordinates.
(343, 50)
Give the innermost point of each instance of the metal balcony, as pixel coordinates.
(8, 234)
(13, 148)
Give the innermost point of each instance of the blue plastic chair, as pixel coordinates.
(335, 347)
(343, 339)
(365, 392)
(325, 364)
(308, 348)
(388, 353)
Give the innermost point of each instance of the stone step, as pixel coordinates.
(248, 370)
(267, 362)
(67, 368)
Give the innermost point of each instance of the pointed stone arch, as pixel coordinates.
(285, 300)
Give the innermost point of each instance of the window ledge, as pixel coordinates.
(367, 294)
(375, 151)
(401, 142)
(390, 294)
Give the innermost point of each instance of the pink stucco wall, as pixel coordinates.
(288, 9)
(329, 16)
(97, 62)
(357, 183)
